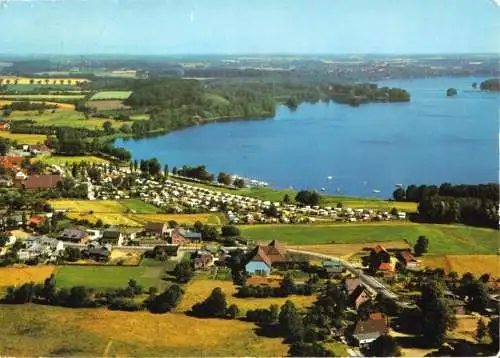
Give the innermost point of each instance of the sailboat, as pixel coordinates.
(329, 177)
(376, 191)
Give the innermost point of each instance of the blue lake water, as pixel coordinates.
(430, 140)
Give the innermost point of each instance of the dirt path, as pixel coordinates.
(108, 347)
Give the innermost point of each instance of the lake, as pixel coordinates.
(430, 140)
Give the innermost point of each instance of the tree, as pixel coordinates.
(239, 183)
(209, 233)
(421, 246)
(301, 349)
(214, 305)
(233, 311)
(493, 331)
(183, 271)
(168, 300)
(481, 330)
(306, 197)
(288, 283)
(291, 322)
(72, 254)
(165, 170)
(477, 293)
(224, 178)
(198, 226)
(286, 199)
(292, 103)
(108, 127)
(4, 146)
(230, 231)
(384, 346)
(399, 194)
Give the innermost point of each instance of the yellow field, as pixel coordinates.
(60, 106)
(24, 138)
(85, 206)
(180, 218)
(198, 290)
(13, 276)
(477, 264)
(138, 220)
(51, 81)
(347, 250)
(31, 330)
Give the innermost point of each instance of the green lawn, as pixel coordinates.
(61, 160)
(111, 95)
(102, 277)
(139, 206)
(444, 239)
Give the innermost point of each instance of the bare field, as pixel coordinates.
(198, 290)
(476, 264)
(24, 138)
(13, 276)
(104, 105)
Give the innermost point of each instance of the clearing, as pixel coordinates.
(476, 264)
(198, 290)
(106, 95)
(103, 105)
(33, 330)
(444, 239)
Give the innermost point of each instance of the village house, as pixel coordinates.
(369, 330)
(112, 236)
(98, 252)
(182, 237)
(155, 229)
(332, 267)
(384, 255)
(407, 259)
(36, 221)
(258, 263)
(37, 247)
(74, 235)
(12, 163)
(203, 260)
(262, 258)
(38, 182)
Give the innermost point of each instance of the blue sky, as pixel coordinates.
(249, 26)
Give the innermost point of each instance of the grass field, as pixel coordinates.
(101, 277)
(31, 330)
(347, 250)
(24, 138)
(65, 119)
(477, 264)
(61, 160)
(444, 239)
(197, 290)
(13, 276)
(108, 95)
(104, 105)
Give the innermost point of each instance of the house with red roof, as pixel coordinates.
(262, 258)
(407, 259)
(39, 182)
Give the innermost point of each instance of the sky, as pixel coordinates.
(164, 27)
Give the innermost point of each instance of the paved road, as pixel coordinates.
(371, 283)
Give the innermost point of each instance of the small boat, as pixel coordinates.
(323, 189)
(376, 191)
(338, 190)
(398, 185)
(329, 177)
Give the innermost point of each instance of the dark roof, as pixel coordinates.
(42, 181)
(74, 234)
(112, 233)
(407, 256)
(189, 234)
(351, 284)
(156, 227)
(370, 326)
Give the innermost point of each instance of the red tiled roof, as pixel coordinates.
(36, 219)
(259, 254)
(42, 181)
(11, 162)
(386, 266)
(379, 248)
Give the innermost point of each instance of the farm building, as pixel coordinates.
(74, 235)
(35, 182)
(407, 259)
(112, 236)
(259, 263)
(369, 330)
(155, 229)
(182, 237)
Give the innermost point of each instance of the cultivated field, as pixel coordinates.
(197, 290)
(108, 95)
(476, 264)
(22, 138)
(13, 276)
(54, 331)
(71, 81)
(444, 239)
(40, 97)
(62, 160)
